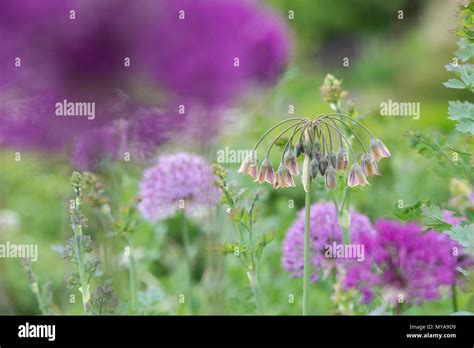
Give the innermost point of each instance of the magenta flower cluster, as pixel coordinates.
(325, 230)
(177, 182)
(138, 61)
(403, 263)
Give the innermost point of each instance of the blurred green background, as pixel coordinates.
(389, 58)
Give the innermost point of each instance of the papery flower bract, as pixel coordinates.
(356, 176)
(401, 259)
(267, 172)
(324, 229)
(369, 166)
(175, 179)
(378, 150)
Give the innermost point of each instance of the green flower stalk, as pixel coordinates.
(249, 249)
(315, 141)
(77, 222)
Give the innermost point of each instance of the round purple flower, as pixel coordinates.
(403, 263)
(324, 231)
(86, 51)
(180, 181)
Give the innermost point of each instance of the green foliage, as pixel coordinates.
(452, 162)
(432, 218)
(410, 212)
(464, 235)
(466, 20)
(462, 112)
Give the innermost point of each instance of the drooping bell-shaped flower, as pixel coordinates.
(369, 166)
(283, 178)
(291, 163)
(378, 150)
(356, 176)
(249, 166)
(266, 172)
(330, 177)
(342, 160)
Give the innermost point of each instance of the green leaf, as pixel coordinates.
(465, 50)
(281, 142)
(235, 214)
(432, 218)
(463, 234)
(410, 211)
(262, 242)
(454, 83)
(463, 113)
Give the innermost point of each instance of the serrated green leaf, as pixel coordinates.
(454, 83)
(410, 211)
(463, 113)
(462, 234)
(432, 218)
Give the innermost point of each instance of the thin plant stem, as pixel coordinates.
(81, 267)
(307, 251)
(454, 298)
(255, 285)
(275, 126)
(133, 278)
(341, 210)
(188, 262)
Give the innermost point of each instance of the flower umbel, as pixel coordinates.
(315, 140)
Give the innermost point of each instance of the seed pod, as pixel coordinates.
(314, 167)
(299, 148)
(332, 158)
(323, 164)
(307, 148)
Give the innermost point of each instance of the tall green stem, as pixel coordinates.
(307, 251)
(133, 278)
(342, 213)
(81, 267)
(454, 298)
(188, 262)
(255, 285)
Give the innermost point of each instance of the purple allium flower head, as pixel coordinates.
(190, 61)
(324, 230)
(175, 180)
(400, 259)
(212, 50)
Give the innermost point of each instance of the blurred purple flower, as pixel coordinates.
(400, 259)
(216, 49)
(448, 216)
(189, 61)
(179, 181)
(324, 230)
